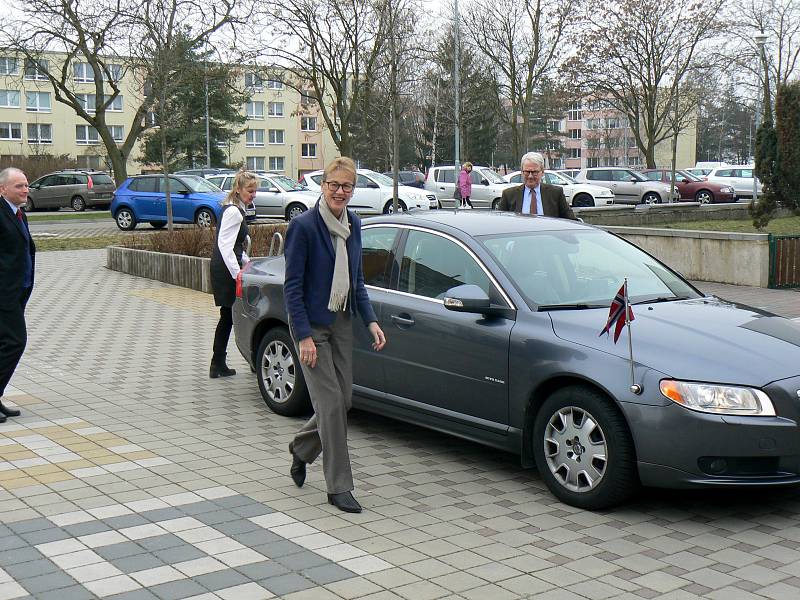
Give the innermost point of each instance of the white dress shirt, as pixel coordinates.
(228, 230)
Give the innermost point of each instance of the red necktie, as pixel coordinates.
(19, 215)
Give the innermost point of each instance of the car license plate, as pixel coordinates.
(250, 211)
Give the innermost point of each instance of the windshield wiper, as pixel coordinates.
(543, 307)
(661, 299)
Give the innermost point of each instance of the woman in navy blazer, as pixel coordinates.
(323, 289)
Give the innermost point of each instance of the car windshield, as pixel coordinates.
(491, 176)
(287, 183)
(378, 178)
(637, 175)
(198, 184)
(566, 178)
(689, 176)
(578, 269)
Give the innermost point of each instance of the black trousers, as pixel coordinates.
(222, 335)
(13, 338)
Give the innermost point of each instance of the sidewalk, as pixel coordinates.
(782, 302)
(133, 476)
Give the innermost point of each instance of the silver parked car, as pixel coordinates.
(629, 186)
(740, 178)
(74, 188)
(277, 195)
(487, 186)
(492, 324)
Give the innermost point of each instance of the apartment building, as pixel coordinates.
(284, 131)
(592, 134)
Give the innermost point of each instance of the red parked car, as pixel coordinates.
(693, 188)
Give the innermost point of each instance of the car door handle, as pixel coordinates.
(403, 320)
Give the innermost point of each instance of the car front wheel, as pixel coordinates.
(496, 204)
(582, 200)
(704, 197)
(125, 219)
(651, 198)
(389, 207)
(280, 377)
(295, 210)
(204, 218)
(583, 449)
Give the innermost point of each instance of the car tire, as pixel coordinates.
(388, 208)
(704, 197)
(582, 415)
(496, 204)
(583, 200)
(78, 204)
(125, 219)
(205, 218)
(279, 375)
(295, 210)
(158, 224)
(651, 198)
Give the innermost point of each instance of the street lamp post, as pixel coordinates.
(761, 40)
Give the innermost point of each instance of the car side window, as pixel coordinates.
(551, 179)
(598, 175)
(745, 173)
(48, 181)
(376, 254)
(445, 176)
(653, 175)
(724, 173)
(433, 264)
(516, 178)
(475, 177)
(362, 181)
(621, 175)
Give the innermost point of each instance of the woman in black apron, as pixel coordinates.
(227, 259)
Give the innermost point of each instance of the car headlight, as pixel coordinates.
(718, 399)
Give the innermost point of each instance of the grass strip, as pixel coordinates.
(781, 226)
(84, 243)
(71, 216)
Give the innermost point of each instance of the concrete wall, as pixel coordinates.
(186, 271)
(735, 258)
(660, 214)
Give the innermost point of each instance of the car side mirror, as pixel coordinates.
(274, 190)
(35, 186)
(484, 181)
(182, 191)
(373, 185)
(633, 180)
(467, 298)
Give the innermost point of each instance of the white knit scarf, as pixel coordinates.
(339, 228)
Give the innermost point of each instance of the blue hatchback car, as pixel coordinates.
(143, 199)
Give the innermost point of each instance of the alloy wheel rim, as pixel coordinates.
(295, 212)
(124, 219)
(575, 449)
(278, 371)
(204, 219)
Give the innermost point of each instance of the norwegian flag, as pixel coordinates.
(616, 314)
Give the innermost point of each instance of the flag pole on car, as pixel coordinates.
(620, 314)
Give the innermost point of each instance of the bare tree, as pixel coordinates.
(640, 55)
(103, 42)
(330, 51)
(523, 42)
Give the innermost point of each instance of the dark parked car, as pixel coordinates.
(692, 187)
(492, 324)
(409, 178)
(74, 188)
(143, 199)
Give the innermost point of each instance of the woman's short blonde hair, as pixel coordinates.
(341, 163)
(467, 165)
(242, 180)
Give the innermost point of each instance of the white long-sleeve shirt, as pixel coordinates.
(228, 231)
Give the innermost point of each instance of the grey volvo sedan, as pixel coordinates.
(493, 325)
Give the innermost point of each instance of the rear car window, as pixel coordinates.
(102, 178)
(445, 176)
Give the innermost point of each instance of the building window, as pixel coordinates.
(275, 109)
(37, 101)
(254, 138)
(635, 161)
(91, 161)
(8, 65)
(115, 71)
(40, 133)
(575, 112)
(254, 82)
(306, 100)
(255, 163)
(84, 73)
(556, 163)
(552, 145)
(255, 110)
(117, 132)
(277, 163)
(116, 105)
(276, 136)
(36, 69)
(612, 123)
(274, 84)
(575, 134)
(554, 125)
(308, 123)
(10, 131)
(573, 153)
(309, 151)
(9, 99)
(88, 102)
(593, 124)
(592, 162)
(86, 135)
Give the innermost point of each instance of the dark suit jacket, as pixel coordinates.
(310, 259)
(15, 241)
(553, 201)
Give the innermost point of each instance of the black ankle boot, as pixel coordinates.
(219, 368)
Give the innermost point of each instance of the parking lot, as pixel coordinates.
(131, 475)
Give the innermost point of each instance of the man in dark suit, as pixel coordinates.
(534, 197)
(17, 257)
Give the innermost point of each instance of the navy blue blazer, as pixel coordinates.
(16, 249)
(310, 259)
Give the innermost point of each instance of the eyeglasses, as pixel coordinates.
(537, 172)
(335, 186)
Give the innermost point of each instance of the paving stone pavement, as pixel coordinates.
(131, 475)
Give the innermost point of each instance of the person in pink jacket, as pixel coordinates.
(465, 184)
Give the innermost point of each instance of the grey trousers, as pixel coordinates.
(330, 385)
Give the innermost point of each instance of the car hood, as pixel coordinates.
(706, 339)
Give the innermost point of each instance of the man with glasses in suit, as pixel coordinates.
(17, 259)
(534, 197)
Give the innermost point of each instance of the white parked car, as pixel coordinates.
(739, 177)
(577, 194)
(373, 193)
(487, 186)
(277, 195)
